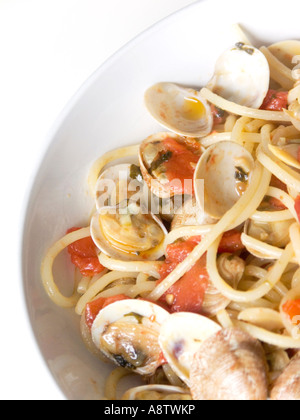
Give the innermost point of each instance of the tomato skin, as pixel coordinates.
(93, 308)
(275, 101)
(292, 309)
(84, 256)
(181, 165)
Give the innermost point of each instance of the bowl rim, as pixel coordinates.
(48, 141)
(50, 137)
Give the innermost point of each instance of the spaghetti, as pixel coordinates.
(240, 269)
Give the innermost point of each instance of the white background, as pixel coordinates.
(48, 48)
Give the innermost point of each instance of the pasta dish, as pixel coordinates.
(188, 271)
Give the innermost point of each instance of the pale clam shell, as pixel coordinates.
(123, 190)
(180, 110)
(180, 337)
(242, 75)
(217, 168)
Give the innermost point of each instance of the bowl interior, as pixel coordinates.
(108, 112)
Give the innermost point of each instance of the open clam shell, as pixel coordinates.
(181, 336)
(118, 184)
(123, 226)
(242, 75)
(154, 155)
(181, 110)
(272, 233)
(127, 333)
(130, 236)
(226, 169)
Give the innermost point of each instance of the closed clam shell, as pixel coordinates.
(229, 365)
(287, 386)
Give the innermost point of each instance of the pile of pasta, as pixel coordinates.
(271, 278)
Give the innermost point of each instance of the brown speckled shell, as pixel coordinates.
(287, 386)
(230, 366)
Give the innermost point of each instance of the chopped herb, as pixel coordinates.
(240, 175)
(160, 160)
(135, 173)
(241, 46)
(249, 51)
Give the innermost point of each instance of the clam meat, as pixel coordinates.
(127, 332)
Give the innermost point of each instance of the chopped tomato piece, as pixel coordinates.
(180, 165)
(84, 256)
(231, 242)
(93, 308)
(275, 101)
(297, 207)
(187, 294)
(292, 309)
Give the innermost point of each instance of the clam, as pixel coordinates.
(287, 386)
(288, 154)
(226, 169)
(285, 51)
(118, 184)
(127, 333)
(157, 392)
(242, 75)
(228, 366)
(272, 233)
(181, 110)
(180, 337)
(124, 228)
(165, 158)
(191, 214)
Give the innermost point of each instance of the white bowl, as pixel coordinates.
(106, 113)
